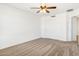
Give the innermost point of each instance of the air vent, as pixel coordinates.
(69, 10)
(53, 16)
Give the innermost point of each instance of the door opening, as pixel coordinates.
(75, 29)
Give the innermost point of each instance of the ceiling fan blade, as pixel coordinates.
(47, 11)
(38, 11)
(51, 7)
(35, 8)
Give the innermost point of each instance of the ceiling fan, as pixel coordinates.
(43, 8)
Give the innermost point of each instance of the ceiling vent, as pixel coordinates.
(69, 10)
(53, 16)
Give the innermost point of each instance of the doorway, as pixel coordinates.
(75, 29)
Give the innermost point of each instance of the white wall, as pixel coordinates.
(17, 26)
(54, 28)
(59, 27)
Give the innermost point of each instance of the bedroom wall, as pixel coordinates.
(17, 26)
(54, 27)
(59, 27)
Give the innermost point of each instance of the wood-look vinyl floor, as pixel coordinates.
(42, 47)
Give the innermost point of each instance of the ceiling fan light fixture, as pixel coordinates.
(44, 8)
(43, 11)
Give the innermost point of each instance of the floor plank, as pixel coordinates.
(42, 47)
